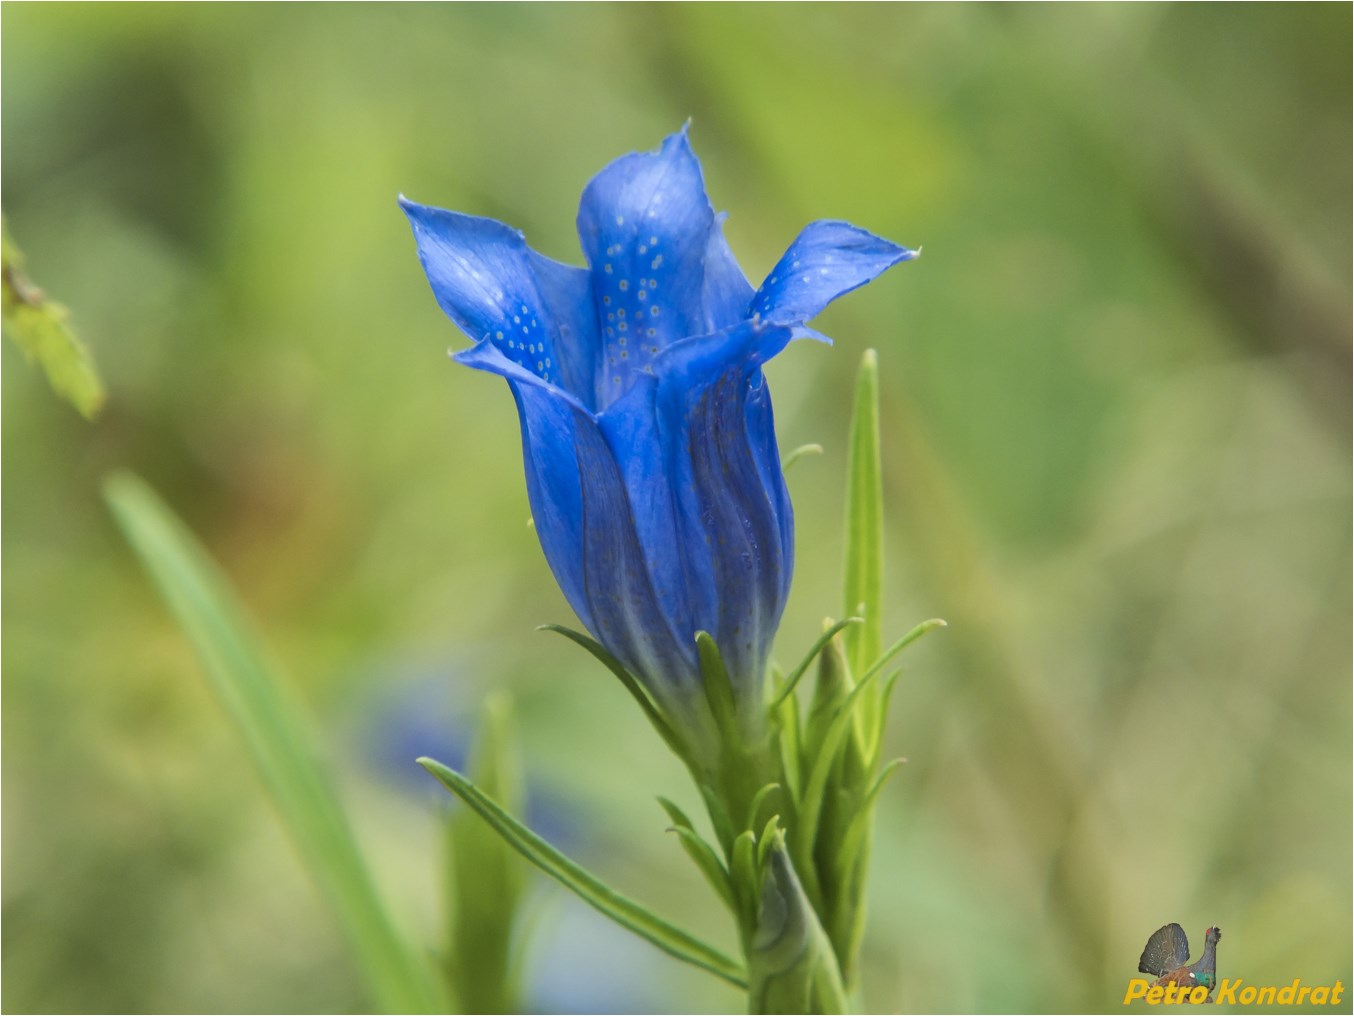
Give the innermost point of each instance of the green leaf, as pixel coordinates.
(485, 878)
(41, 328)
(855, 832)
(592, 890)
(788, 688)
(787, 719)
(875, 731)
(743, 872)
(757, 802)
(771, 834)
(864, 519)
(279, 740)
(705, 856)
(901, 644)
(811, 803)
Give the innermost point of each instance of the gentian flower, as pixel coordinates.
(651, 461)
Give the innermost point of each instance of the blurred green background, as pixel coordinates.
(1116, 398)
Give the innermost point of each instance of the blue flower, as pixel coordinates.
(651, 460)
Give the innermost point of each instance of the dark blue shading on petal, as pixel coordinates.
(625, 613)
(644, 222)
(826, 260)
(735, 526)
(761, 431)
(482, 276)
(634, 434)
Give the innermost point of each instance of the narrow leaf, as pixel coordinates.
(901, 644)
(743, 872)
(864, 518)
(829, 633)
(279, 740)
(718, 688)
(589, 888)
(771, 835)
(705, 856)
(788, 720)
(709, 864)
(860, 822)
(811, 803)
(757, 801)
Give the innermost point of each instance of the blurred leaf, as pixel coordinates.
(39, 327)
(592, 890)
(485, 882)
(278, 738)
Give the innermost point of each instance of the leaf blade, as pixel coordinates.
(592, 890)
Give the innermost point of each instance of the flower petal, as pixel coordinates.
(644, 222)
(568, 292)
(727, 292)
(554, 487)
(734, 525)
(497, 290)
(626, 615)
(485, 355)
(631, 427)
(826, 260)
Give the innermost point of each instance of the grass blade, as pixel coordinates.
(278, 740)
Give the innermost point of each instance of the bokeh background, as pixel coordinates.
(1116, 399)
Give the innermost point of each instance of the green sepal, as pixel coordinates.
(791, 965)
(746, 759)
(771, 832)
(485, 880)
(757, 801)
(718, 689)
(588, 887)
(705, 856)
(743, 873)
